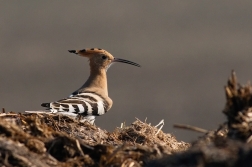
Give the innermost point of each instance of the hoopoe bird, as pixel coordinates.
(91, 99)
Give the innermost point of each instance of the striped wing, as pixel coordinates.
(87, 103)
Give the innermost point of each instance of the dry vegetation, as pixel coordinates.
(56, 140)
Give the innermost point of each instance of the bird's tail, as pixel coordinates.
(45, 105)
(41, 112)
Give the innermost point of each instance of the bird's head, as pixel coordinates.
(100, 58)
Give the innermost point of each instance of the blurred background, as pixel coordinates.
(187, 50)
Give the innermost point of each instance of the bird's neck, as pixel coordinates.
(97, 80)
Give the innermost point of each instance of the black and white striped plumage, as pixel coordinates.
(84, 104)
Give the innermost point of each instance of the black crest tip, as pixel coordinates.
(72, 51)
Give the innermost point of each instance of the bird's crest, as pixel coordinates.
(90, 51)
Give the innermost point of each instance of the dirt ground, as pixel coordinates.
(56, 140)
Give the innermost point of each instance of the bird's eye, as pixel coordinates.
(104, 57)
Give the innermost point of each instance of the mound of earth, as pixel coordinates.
(56, 140)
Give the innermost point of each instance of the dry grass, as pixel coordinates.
(62, 141)
(56, 140)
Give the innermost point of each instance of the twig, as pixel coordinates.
(160, 123)
(249, 139)
(4, 114)
(39, 111)
(78, 146)
(190, 127)
(112, 156)
(51, 146)
(123, 125)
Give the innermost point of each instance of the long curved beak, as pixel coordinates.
(125, 61)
